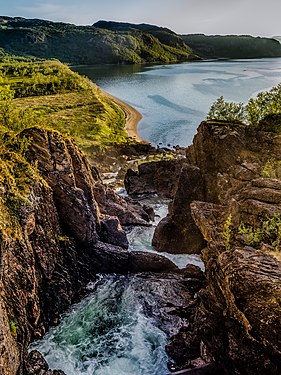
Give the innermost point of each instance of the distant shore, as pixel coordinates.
(133, 117)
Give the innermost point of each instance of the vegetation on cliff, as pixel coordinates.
(263, 112)
(49, 95)
(232, 46)
(98, 44)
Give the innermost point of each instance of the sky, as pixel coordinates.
(254, 17)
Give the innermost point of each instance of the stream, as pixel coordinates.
(123, 325)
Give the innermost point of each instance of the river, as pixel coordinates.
(116, 330)
(174, 99)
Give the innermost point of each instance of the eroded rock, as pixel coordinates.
(154, 178)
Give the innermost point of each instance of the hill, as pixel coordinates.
(97, 44)
(277, 38)
(232, 46)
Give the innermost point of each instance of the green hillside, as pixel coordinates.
(97, 44)
(232, 46)
(49, 94)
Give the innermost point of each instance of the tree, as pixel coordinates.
(227, 111)
(263, 112)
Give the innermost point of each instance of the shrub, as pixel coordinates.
(266, 103)
(272, 169)
(263, 112)
(226, 111)
(269, 232)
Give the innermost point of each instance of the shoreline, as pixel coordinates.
(132, 117)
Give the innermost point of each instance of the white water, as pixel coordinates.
(140, 238)
(106, 334)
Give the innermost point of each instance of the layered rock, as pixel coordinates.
(58, 242)
(237, 323)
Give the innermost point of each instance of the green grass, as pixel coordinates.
(65, 101)
(46, 94)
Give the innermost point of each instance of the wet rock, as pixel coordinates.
(108, 258)
(154, 178)
(148, 262)
(163, 296)
(36, 365)
(127, 211)
(192, 271)
(112, 232)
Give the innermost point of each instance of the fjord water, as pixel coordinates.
(174, 99)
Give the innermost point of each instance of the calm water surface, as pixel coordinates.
(174, 99)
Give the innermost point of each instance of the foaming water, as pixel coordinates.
(140, 238)
(106, 334)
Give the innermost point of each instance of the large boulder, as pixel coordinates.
(154, 178)
(177, 232)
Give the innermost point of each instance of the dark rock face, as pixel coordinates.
(154, 178)
(238, 320)
(127, 211)
(63, 238)
(177, 232)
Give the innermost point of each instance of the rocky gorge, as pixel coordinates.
(71, 229)
(229, 177)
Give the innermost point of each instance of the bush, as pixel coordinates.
(263, 112)
(266, 103)
(227, 111)
(269, 232)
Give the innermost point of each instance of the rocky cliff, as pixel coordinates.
(68, 229)
(238, 213)
(226, 205)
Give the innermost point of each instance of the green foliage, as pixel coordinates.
(13, 328)
(252, 236)
(63, 238)
(226, 235)
(40, 78)
(226, 111)
(48, 93)
(269, 232)
(266, 103)
(103, 43)
(272, 169)
(263, 112)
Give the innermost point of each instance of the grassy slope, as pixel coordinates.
(47, 94)
(65, 101)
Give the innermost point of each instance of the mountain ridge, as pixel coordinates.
(111, 42)
(90, 44)
(232, 46)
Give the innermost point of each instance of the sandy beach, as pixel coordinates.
(132, 117)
